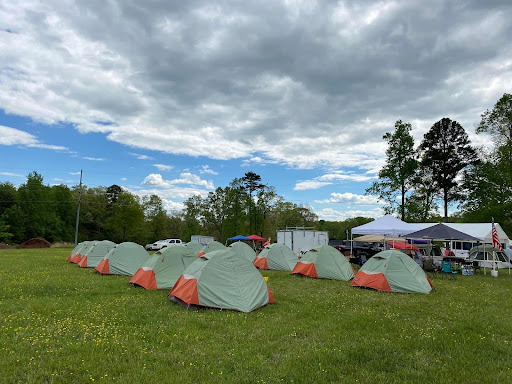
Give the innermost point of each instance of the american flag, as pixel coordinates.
(495, 238)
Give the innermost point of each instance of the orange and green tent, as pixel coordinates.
(123, 259)
(210, 247)
(392, 271)
(324, 262)
(222, 279)
(163, 268)
(194, 247)
(243, 250)
(95, 254)
(276, 257)
(82, 251)
(76, 250)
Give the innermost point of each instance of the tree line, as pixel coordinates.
(446, 169)
(245, 206)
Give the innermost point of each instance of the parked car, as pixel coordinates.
(166, 243)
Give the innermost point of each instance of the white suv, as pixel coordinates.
(166, 243)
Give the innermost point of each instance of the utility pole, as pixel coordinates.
(78, 209)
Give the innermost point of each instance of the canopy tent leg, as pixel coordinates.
(351, 244)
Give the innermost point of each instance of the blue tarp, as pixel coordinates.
(240, 237)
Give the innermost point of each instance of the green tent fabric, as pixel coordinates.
(76, 250)
(124, 259)
(324, 262)
(392, 271)
(222, 279)
(163, 268)
(211, 246)
(243, 250)
(95, 254)
(85, 248)
(194, 247)
(276, 257)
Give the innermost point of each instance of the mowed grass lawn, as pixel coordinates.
(60, 323)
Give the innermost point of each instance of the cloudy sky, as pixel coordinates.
(180, 97)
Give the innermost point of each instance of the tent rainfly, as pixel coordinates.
(324, 262)
(78, 256)
(210, 247)
(124, 259)
(194, 247)
(163, 268)
(76, 250)
(222, 279)
(276, 257)
(392, 271)
(94, 255)
(243, 250)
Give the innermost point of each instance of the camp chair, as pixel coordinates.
(430, 268)
(447, 270)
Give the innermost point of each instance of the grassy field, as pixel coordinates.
(60, 323)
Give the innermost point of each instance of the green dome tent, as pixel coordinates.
(244, 250)
(392, 271)
(194, 247)
(324, 262)
(95, 254)
(163, 268)
(222, 279)
(277, 257)
(82, 251)
(210, 247)
(124, 259)
(76, 250)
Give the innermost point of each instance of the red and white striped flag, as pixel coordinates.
(495, 238)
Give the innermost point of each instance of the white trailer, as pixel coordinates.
(302, 239)
(201, 239)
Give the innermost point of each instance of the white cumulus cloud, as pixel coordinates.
(13, 136)
(330, 214)
(207, 169)
(352, 198)
(310, 184)
(163, 167)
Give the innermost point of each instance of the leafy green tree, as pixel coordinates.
(15, 219)
(489, 184)
(8, 196)
(251, 183)
(266, 200)
(65, 209)
(157, 221)
(112, 193)
(237, 221)
(93, 212)
(446, 153)
(126, 219)
(35, 201)
(215, 209)
(192, 217)
(175, 223)
(398, 175)
(498, 122)
(421, 204)
(5, 235)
